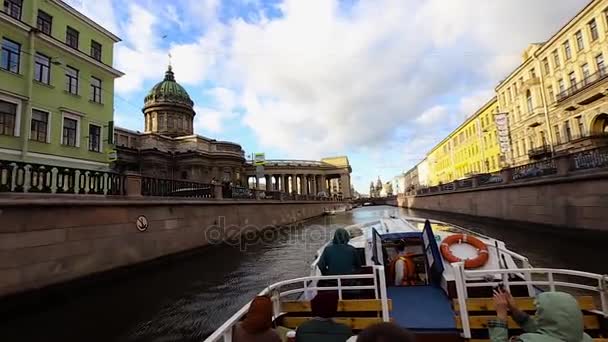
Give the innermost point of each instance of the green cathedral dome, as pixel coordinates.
(168, 90)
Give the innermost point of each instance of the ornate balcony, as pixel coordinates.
(539, 152)
(585, 84)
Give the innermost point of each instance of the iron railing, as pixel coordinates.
(307, 287)
(22, 177)
(592, 159)
(465, 279)
(175, 188)
(582, 85)
(534, 170)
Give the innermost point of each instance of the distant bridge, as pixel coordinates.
(390, 200)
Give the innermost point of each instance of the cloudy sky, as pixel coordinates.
(380, 81)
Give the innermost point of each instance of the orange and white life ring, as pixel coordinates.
(482, 250)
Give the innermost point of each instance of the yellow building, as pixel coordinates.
(470, 149)
(555, 100)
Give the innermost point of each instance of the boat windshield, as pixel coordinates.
(436, 226)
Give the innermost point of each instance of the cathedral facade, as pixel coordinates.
(168, 147)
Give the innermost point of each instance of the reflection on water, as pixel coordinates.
(186, 299)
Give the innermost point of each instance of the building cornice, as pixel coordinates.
(80, 54)
(8, 19)
(85, 20)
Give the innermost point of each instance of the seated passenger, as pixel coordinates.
(402, 269)
(339, 258)
(558, 319)
(257, 325)
(322, 328)
(385, 332)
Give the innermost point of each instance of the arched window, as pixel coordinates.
(529, 101)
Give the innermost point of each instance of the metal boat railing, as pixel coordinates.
(224, 332)
(501, 277)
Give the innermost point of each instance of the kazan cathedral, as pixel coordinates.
(168, 148)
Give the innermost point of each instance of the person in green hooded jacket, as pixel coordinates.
(558, 319)
(339, 258)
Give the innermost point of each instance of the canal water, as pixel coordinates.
(185, 299)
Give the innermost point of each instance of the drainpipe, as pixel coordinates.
(545, 105)
(29, 77)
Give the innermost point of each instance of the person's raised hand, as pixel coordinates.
(501, 302)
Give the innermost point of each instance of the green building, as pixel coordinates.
(56, 85)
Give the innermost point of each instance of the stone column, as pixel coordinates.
(268, 182)
(345, 185)
(294, 183)
(304, 185)
(314, 185)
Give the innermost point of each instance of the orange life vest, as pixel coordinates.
(409, 270)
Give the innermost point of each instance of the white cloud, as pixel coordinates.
(101, 11)
(319, 82)
(432, 116)
(222, 108)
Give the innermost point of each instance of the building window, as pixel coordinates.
(42, 71)
(585, 71)
(580, 44)
(599, 63)
(44, 23)
(568, 131)
(8, 118)
(509, 95)
(556, 58)
(543, 139)
(95, 50)
(11, 55)
(517, 112)
(562, 85)
(71, 80)
(546, 65)
(558, 138)
(550, 93)
(529, 101)
(94, 138)
(40, 124)
(95, 89)
(580, 125)
(70, 132)
(71, 37)
(593, 30)
(530, 143)
(532, 73)
(13, 8)
(567, 51)
(572, 77)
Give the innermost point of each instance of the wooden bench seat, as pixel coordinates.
(368, 312)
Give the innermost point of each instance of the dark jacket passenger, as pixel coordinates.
(322, 328)
(339, 257)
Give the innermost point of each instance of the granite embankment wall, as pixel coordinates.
(54, 239)
(579, 201)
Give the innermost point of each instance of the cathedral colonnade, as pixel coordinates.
(302, 177)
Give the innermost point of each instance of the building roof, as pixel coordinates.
(168, 90)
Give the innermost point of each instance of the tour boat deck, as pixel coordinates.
(422, 308)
